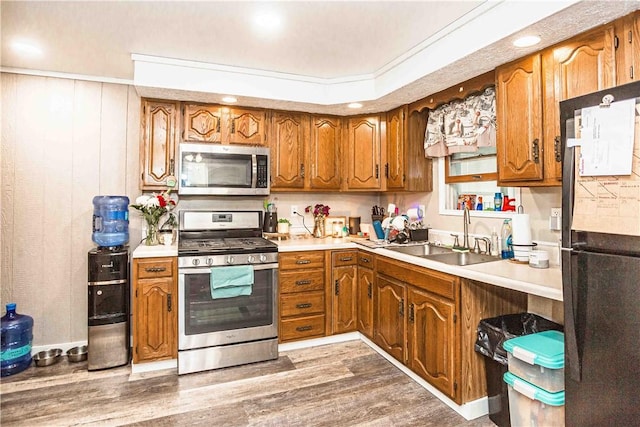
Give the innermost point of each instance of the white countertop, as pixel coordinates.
(143, 251)
(545, 282)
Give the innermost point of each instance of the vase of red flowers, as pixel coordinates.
(152, 208)
(320, 212)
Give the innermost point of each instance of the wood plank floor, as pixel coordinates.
(345, 384)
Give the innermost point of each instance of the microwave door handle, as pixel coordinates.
(254, 171)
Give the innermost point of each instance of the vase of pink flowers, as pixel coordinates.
(320, 212)
(153, 207)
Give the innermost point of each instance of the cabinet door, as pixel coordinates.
(203, 123)
(247, 126)
(628, 48)
(345, 297)
(519, 115)
(289, 131)
(363, 145)
(389, 317)
(158, 143)
(394, 167)
(324, 153)
(365, 301)
(432, 343)
(579, 66)
(155, 319)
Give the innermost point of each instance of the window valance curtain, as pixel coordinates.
(461, 126)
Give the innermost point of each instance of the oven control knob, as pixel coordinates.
(209, 261)
(263, 258)
(195, 261)
(251, 259)
(230, 259)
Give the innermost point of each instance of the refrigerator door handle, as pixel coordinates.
(573, 361)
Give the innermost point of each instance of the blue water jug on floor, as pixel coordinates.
(110, 220)
(17, 337)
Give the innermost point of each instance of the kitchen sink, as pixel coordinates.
(462, 258)
(420, 250)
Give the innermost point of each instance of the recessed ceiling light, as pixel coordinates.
(230, 99)
(26, 48)
(267, 21)
(355, 105)
(526, 41)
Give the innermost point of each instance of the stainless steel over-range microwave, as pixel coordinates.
(214, 169)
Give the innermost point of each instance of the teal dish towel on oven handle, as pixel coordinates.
(233, 281)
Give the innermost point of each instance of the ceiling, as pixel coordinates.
(326, 54)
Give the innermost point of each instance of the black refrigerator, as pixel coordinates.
(601, 263)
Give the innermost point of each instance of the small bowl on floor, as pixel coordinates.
(77, 354)
(49, 357)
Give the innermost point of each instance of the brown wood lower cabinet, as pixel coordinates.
(302, 303)
(155, 309)
(365, 293)
(389, 326)
(344, 282)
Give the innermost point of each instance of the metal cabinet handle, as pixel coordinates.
(401, 307)
(365, 260)
(172, 165)
(303, 261)
(377, 171)
(304, 305)
(303, 282)
(169, 299)
(369, 291)
(347, 258)
(302, 170)
(556, 149)
(304, 328)
(155, 269)
(337, 287)
(535, 150)
(386, 170)
(411, 318)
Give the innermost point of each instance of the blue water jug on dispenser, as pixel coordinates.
(17, 337)
(110, 220)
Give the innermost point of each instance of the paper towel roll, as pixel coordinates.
(521, 229)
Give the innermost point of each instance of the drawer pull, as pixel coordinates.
(155, 269)
(303, 261)
(304, 328)
(346, 258)
(304, 305)
(303, 282)
(337, 287)
(366, 260)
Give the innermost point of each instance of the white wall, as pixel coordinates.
(63, 142)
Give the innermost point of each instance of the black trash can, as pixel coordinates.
(492, 333)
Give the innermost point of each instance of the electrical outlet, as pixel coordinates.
(555, 221)
(556, 212)
(294, 210)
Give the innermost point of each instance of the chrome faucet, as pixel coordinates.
(466, 220)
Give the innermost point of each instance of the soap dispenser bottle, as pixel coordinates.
(495, 251)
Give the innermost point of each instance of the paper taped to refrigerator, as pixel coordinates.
(611, 203)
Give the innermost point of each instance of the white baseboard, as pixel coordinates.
(314, 342)
(137, 368)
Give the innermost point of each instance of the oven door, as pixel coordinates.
(205, 322)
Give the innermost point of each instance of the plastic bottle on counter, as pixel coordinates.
(495, 251)
(497, 202)
(507, 249)
(479, 204)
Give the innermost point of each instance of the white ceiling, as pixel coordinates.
(385, 53)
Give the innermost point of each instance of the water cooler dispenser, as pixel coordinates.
(108, 285)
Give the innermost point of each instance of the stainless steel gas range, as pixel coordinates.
(228, 287)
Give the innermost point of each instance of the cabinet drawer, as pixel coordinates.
(344, 258)
(297, 260)
(153, 267)
(301, 281)
(365, 259)
(301, 304)
(305, 327)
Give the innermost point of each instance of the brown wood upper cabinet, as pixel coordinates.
(528, 93)
(222, 124)
(157, 151)
(305, 151)
(363, 153)
(627, 43)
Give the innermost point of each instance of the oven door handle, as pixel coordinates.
(207, 270)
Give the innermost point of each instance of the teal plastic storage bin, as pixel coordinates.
(532, 406)
(538, 359)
